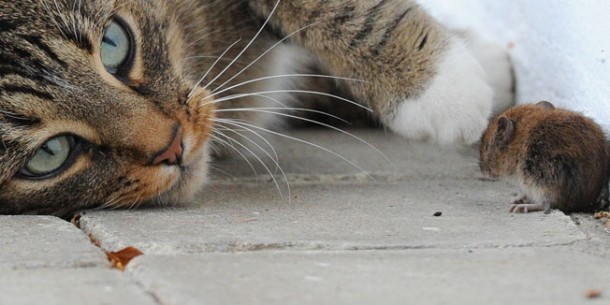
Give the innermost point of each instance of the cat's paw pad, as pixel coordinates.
(455, 107)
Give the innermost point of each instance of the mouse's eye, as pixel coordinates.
(51, 158)
(117, 47)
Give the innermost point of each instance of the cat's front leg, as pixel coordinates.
(455, 105)
(421, 80)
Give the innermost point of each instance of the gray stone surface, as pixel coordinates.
(335, 217)
(46, 260)
(488, 276)
(389, 156)
(91, 286)
(361, 233)
(28, 242)
(333, 205)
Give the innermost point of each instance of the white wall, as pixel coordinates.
(560, 48)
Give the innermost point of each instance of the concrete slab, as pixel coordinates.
(490, 276)
(28, 242)
(91, 286)
(598, 235)
(340, 237)
(366, 216)
(333, 205)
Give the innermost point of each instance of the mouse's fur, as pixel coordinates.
(559, 158)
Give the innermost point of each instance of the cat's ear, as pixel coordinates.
(545, 105)
(505, 131)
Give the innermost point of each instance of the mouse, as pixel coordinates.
(559, 158)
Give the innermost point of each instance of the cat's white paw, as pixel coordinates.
(497, 66)
(456, 106)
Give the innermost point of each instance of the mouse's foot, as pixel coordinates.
(520, 200)
(525, 207)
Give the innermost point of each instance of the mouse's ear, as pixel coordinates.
(545, 105)
(505, 131)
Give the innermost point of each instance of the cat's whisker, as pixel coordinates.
(237, 132)
(217, 168)
(112, 202)
(216, 147)
(230, 144)
(131, 204)
(207, 56)
(254, 109)
(275, 155)
(274, 158)
(276, 101)
(266, 153)
(216, 92)
(299, 141)
(277, 185)
(218, 143)
(190, 95)
(135, 202)
(246, 47)
(160, 200)
(242, 95)
(127, 201)
(264, 53)
(103, 205)
(313, 122)
(227, 141)
(118, 204)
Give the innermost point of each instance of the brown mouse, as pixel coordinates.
(559, 158)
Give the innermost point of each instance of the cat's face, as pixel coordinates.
(88, 104)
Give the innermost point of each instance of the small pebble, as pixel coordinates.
(438, 214)
(593, 294)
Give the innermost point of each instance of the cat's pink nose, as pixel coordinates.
(173, 154)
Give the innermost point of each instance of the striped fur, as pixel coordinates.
(384, 53)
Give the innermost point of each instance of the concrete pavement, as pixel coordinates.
(334, 233)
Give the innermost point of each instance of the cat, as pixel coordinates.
(120, 102)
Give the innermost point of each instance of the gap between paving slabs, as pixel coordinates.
(120, 255)
(582, 218)
(362, 217)
(47, 260)
(117, 259)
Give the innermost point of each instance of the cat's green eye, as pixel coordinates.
(117, 46)
(53, 156)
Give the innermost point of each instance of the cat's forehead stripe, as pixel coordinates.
(18, 120)
(37, 42)
(9, 25)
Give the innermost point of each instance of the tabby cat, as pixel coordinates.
(119, 102)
